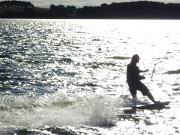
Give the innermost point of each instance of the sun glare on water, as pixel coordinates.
(71, 75)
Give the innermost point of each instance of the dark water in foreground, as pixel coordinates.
(69, 76)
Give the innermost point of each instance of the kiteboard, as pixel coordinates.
(155, 106)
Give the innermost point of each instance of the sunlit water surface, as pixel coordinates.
(69, 76)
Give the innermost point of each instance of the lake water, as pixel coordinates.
(69, 76)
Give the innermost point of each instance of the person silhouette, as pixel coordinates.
(134, 77)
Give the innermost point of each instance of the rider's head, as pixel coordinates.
(135, 59)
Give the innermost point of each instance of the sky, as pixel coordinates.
(81, 3)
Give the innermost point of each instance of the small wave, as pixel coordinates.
(4, 55)
(129, 117)
(66, 60)
(96, 39)
(173, 72)
(46, 131)
(96, 65)
(88, 84)
(119, 57)
(5, 78)
(176, 89)
(64, 73)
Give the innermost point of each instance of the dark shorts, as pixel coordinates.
(133, 87)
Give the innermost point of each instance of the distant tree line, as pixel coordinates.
(63, 11)
(21, 9)
(141, 9)
(16, 4)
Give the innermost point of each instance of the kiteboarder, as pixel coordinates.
(134, 77)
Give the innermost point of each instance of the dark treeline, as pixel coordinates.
(21, 9)
(16, 3)
(141, 9)
(61, 10)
